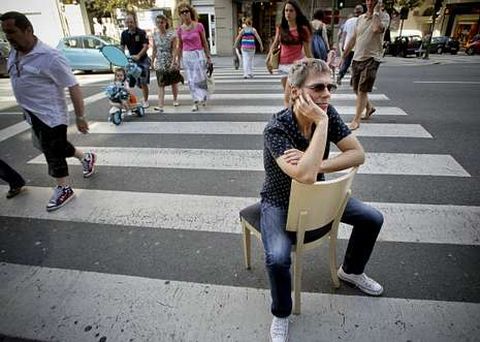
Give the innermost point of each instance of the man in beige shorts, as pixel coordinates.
(368, 42)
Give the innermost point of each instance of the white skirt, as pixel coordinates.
(195, 65)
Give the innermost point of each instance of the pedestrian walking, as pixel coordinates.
(13, 178)
(246, 39)
(165, 65)
(368, 42)
(292, 37)
(320, 46)
(347, 33)
(39, 75)
(193, 50)
(135, 40)
(296, 146)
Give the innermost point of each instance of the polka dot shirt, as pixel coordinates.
(282, 133)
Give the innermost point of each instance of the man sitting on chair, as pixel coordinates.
(296, 145)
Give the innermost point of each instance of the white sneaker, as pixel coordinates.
(195, 107)
(364, 283)
(146, 104)
(176, 104)
(279, 330)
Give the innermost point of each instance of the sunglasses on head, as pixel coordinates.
(322, 86)
(184, 12)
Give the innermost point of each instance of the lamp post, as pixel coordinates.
(436, 8)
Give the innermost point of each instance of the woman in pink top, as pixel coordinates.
(293, 35)
(193, 49)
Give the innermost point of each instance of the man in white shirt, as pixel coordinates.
(347, 33)
(368, 42)
(39, 75)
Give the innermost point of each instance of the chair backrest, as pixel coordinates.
(319, 202)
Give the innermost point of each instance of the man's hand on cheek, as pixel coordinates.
(305, 106)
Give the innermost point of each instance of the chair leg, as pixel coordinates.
(333, 261)
(297, 283)
(246, 245)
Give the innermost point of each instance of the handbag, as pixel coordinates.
(275, 58)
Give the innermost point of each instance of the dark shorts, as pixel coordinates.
(144, 77)
(364, 74)
(54, 144)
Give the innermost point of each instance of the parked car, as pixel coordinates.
(404, 45)
(473, 46)
(444, 44)
(83, 52)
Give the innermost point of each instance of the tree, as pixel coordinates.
(102, 8)
(410, 4)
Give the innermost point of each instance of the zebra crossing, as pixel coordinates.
(149, 250)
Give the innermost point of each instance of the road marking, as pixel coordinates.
(252, 160)
(20, 127)
(11, 113)
(70, 305)
(404, 222)
(271, 96)
(249, 109)
(446, 82)
(250, 81)
(244, 128)
(13, 130)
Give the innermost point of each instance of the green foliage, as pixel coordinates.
(410, 4)
(101, 8)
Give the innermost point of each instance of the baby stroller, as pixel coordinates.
(118, 94)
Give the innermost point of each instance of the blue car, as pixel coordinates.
(83, 52)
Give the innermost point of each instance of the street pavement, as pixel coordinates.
(150, 248)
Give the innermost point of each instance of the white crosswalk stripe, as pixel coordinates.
(246, 128)
(252, 160)
(428, 223)
(249, 109)
(105, 305)
(72, 303)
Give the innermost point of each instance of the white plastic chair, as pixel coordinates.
(314, 215)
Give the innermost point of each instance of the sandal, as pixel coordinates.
(369, 113)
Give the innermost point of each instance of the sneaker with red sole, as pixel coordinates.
(61, 196)
(88, 164)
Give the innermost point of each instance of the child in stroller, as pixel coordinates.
(122, 98)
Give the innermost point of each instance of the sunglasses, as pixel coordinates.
(320, 87)
(184, 12)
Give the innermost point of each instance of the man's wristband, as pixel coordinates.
(80, 118)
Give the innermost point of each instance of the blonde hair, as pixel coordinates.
(248, 21)
(184, 5)
(300, 70)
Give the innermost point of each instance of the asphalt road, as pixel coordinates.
(427, 260)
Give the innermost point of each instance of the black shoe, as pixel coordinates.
(14, 192)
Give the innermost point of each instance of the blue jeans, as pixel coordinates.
(366, 221)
